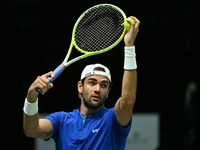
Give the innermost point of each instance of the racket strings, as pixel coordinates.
(99, 29)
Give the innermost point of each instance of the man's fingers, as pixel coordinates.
(137, 22)
(51, 85)
(42, 83)
(49, 74)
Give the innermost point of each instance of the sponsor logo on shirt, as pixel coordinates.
(95, 130)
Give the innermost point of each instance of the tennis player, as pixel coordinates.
(92, 126)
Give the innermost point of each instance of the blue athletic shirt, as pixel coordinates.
(98, 131)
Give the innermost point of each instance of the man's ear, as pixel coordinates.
(80, 87)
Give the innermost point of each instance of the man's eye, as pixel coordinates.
(91, 83)
(104, 85)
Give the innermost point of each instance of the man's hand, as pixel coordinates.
(33, 126)
(130, 36)
(42, 83)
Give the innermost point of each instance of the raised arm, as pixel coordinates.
(33, 126)
(124, 105)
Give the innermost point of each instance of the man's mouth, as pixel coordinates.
(96, 97)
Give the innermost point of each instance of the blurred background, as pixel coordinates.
(35, 38)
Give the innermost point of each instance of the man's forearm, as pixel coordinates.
(33, 126)
(124, 106)
(37, 128)
(30, 124)
(130, 76)
(129, 85)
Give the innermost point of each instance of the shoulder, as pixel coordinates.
(111, 115)
(63, 115)
(107, 113)
(57, 116)
(109, 110)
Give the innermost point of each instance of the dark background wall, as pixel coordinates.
(35, 36)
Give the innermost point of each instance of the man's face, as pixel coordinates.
(95, 91)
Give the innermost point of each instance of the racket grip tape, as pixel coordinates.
(56, 73)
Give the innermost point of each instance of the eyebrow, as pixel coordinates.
(93, 79)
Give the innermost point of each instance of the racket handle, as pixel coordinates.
(56, 73)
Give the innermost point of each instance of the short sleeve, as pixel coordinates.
(121, 131)
(56, 120)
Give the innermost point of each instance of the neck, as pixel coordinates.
(88, 111)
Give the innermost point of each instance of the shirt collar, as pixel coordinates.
(96, 114)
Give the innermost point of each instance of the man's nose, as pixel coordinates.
(97, 89)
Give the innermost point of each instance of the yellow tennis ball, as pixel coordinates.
(127, 25)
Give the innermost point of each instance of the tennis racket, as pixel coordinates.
(96, 31)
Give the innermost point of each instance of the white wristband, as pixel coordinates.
(130, 58)
(30, 108)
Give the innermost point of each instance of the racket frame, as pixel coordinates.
(66, 63)
(85, 53)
